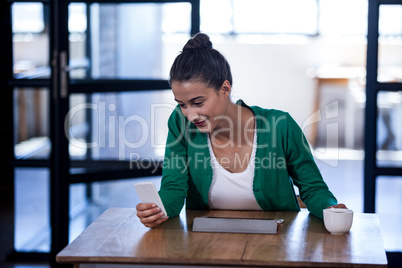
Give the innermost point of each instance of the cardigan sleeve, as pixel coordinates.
(174, 185)
(303, 170)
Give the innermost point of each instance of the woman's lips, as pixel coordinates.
(199, 124)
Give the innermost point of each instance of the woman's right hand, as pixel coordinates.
(150, 215)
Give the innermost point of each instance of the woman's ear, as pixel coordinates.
(226, 88)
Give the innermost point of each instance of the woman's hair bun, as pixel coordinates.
(200, 40)
(200, 62)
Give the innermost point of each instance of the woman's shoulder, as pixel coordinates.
(269, 112)
(275, 116)
(266, 117)
(260, 111)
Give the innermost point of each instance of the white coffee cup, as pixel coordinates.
(338, 220)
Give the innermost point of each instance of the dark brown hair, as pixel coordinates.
(200, 62)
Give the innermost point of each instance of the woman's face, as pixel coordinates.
(205, 107)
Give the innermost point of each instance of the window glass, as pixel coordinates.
(388, 193)
(389, 45)
(270, 16)
(27, 18)
(30, 41)
(32, 214)
(390, 21)
(83, 210)
(77, 17)
(216, 16)
(176, 18)
(389, 132)
(119, 126)
(343, 17)
(123, 41)
(31, 123)
(77, 26)
(325, 17)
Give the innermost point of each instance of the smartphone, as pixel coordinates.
(148, 194)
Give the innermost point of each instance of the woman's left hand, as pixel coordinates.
(338, 206)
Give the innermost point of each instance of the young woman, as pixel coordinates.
(225, 155)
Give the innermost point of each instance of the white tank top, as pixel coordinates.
(233, 191)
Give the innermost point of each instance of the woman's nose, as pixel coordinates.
(191, 114)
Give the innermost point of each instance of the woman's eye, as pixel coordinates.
(198, 103)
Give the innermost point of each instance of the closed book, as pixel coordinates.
(235, 225)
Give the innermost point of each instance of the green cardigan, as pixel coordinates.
(283, 158)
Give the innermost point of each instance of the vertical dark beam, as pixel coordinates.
(6, 131)
(88, 42)
(195, 17)
(59, 187)
(88, 97)
(370, 139)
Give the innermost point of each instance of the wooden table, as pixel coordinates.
(118, 237)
